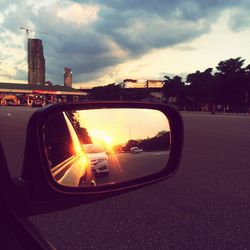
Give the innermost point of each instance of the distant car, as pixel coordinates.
(10, 103)
(37, 103)
(135, 150)
(98, 158)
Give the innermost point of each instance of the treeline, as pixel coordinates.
(225, 89)
(82, 133)
(114, 91)
(161, 141)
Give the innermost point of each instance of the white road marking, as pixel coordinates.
(160, 153)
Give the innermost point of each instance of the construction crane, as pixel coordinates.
(29, 30)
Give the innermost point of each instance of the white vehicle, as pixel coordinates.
(97, 157)
(135, 150)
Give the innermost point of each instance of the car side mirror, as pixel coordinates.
(105, 146)
(100, 148)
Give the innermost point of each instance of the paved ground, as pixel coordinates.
(13, 131)
(204, 206)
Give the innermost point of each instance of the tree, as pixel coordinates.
(82, 133)
(109, 92)
(231, 66)
(173, 88)
(201, 87)
(232, 83)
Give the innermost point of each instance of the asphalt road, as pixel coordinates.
(121, 167)
(125, 166)
(204, 206)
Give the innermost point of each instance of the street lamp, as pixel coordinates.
(129, 129)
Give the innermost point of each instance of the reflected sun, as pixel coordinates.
(101, 137)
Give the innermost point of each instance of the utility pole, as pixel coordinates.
(129, 129)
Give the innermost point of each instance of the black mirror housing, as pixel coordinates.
(45, 194)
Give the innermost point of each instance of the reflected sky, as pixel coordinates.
(117, 126)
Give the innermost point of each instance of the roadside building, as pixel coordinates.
(155, 84)
(134, 84)
(137, 87)
(25, 94)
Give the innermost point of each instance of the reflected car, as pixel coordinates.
(98, 159)
(135, 150)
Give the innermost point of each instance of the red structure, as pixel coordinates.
(36, 62)
(67, 77)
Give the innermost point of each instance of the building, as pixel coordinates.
(137, 84)
(153, 88)
(25, 94)
(134, 84)
(67, 77)
(36, 62)
(155, 84)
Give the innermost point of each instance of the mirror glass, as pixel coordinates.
(105, 146)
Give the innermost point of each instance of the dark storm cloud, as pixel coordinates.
(139, 26)
(149, 31)
(74, 46)
(240, 20)
(135, 26)
(21, 74)
(187, 9)
(15, 14)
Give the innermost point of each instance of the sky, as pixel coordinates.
(108, 41)
(125, 124)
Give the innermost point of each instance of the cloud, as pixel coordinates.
(94, 35)
(21, 74)
(79, 14)
(240, 19)
(74, 46)
(184, 47)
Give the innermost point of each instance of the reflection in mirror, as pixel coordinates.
(105, 146)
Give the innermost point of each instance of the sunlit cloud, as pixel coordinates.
(107, 41)
(79, 14)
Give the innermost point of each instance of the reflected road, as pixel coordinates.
(122, 166)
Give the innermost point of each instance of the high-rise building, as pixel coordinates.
(36, 62)
(67, 77)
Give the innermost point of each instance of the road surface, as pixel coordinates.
(121, 167)
(204, 206)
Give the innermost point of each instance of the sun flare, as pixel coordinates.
(101, 137)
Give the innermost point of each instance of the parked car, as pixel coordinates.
(37, 103)
(98, 159)
(10, 102)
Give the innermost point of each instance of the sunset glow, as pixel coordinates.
(101, 137)
(125, 124)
